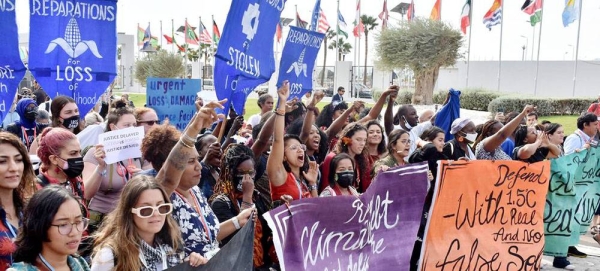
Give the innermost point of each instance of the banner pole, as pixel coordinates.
(577, 48)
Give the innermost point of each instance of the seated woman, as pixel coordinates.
(533, 145)
(52, 227)
(180, 174)
(287, 164)
(140, 234)
(341, 177)
(234, 193)
(463, 130)
(17, 184)
(397, 150)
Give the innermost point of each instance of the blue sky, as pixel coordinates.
(558, 42)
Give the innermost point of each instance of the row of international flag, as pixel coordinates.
(146, 39)
(493, 16)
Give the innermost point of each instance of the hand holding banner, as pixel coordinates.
(74, 48)
(375, 231)
(487, 215)
(298, 60)
(12, 69)
(244, 57)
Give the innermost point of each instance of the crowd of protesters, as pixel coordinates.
(192, 190)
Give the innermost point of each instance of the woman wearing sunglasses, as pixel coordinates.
(50, 232)
(103, 183)
(140, 234)
(146, 117)
(180, 175)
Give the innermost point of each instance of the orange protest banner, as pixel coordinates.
(487, 215)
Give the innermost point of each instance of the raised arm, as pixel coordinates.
(338, 124)
(491, 143)
(311, 115)
(376, 109)
(260, 144)
(170, 174)
(388, 116)
(275, 169)
(235, 127)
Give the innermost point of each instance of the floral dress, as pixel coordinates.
(199, 231)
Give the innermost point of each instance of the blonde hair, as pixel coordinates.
(119, 232)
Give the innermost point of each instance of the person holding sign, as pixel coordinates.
(288, 167)
(180, 175)
(103, 183)
(140, 234)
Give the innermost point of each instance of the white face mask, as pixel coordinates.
(408, 126)
(471, 137)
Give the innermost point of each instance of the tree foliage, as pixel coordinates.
(344, 47)
(160, 64)
(424, 46)
(370, 23)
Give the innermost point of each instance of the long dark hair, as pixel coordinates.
(285, 163)
(485, 130)
(58, 103)
(361, 159)
(37, 219)
(295, 128)
(325, 119)
(381, 145)
(233, 156)
(27, 186)
(393, 139)
(334, 163)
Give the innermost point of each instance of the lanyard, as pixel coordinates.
(26, 137)
(46, 263)
(196, 206)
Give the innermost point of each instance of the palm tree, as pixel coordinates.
(329, 35)
(344, 48)
(370, 23)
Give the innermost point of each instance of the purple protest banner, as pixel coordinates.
(375, 231)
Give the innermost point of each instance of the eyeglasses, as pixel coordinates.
(240, 174)
(66, 228)
(295, 147)
(148, 211)
(148, 122)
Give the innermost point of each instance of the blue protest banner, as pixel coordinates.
(73, 48)
(173, 98)
(11, 66)
(245, 57)
(298, 60)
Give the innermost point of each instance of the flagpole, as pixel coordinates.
(173, 35)
(358, 22)
(337, 32)
(577, 48)
(537, 65)
(469, 47)
(500, 55)
(200, 67)
(161, 35)
(137, 31)
(185, 37)
(441, 10)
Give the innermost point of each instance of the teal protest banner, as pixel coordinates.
(571, 201)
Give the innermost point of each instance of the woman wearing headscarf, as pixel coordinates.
(26, 128)
(463, 130)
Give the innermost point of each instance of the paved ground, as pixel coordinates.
(586, 245)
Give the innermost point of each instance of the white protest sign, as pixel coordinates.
(122, 144)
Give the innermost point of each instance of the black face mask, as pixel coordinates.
(71, 123)
(42, 126)
(345, 178)
(74, 167)
(31, 114)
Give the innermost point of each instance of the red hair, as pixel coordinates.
(52, 141)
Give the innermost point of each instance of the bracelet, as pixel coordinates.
(247, 203)
(185, 145)
(189, 142)
(312, 187)
(236, 223)
(279, 114)
(102, 173)
(191, 139)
